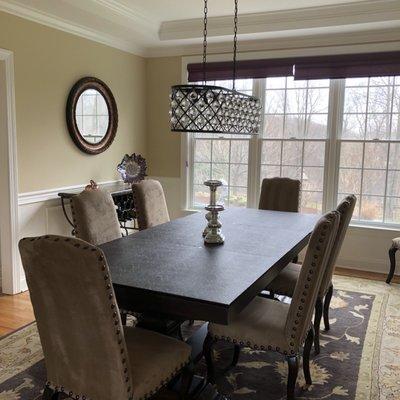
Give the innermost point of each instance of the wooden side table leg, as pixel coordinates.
(392, 258)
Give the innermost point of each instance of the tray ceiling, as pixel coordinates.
(171, 27)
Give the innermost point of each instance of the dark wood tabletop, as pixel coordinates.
(168, 269)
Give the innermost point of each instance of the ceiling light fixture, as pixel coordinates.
(214, 109)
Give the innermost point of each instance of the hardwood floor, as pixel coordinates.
(374, 276)
(16, 311)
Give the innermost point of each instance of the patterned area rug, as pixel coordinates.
(360, 355)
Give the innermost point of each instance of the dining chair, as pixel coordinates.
(266, 324)
(88, 353)
(150, 204)
(280, 194)
(95, 217)
(285, 283)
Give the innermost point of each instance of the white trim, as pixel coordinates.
(361, 12)
(51, 194)
(64, 25)
(11, 272)
(132, 12)
(301, 44)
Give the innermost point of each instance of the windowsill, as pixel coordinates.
(357, 226)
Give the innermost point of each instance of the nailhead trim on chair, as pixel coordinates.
(110, 297)
(291, 349)
(77, 243)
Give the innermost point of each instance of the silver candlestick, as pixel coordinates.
(212, 233)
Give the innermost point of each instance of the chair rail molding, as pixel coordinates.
(10, 261)
(51, 194)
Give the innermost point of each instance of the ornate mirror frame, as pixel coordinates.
(76, 91)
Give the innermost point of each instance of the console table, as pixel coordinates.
(123, 198)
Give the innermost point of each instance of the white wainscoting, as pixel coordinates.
(41, 213)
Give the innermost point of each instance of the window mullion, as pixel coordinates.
(255, 144)
(332, 151)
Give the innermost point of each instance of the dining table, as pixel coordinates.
(169, 271)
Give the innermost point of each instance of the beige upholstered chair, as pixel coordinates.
(266, 324)
(150, 204)
(285, 282)
(95, 217)
(88, 354)
(280, 194)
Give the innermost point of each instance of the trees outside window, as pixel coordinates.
(337, 137)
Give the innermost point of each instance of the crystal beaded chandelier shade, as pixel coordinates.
(214, 109)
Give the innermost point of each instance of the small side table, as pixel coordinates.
(392, 257)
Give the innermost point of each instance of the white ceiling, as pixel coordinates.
(170, 27)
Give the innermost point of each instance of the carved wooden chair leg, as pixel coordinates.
(186, 381)
(123, 317)
(306, 356)
(207, 351)
(48, 393)
(293, 365)
(317, 323)
(327, 303)
(236, 353)
(392, 258)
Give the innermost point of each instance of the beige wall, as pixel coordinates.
(164, 149)
(47, 64)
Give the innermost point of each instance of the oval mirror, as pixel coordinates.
(92, 115)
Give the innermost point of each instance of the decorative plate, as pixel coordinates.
(132, 168)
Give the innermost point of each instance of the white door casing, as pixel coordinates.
(10, 263)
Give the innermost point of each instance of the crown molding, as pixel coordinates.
(360, 12)
(371, 40)
(52, 21)
(132, 13)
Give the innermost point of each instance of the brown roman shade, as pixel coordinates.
(245, 69)
(317, 67)
(348, 66)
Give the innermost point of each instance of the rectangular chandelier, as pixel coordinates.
(213, 109)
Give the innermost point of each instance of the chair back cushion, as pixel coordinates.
(305, 293)
(77, 317)
(95, 217)
(345, 209)
(280, 194)
(150, 204)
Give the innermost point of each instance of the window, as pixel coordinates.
(369, 148)
(336, 136)
(295, 134)
(225, 158)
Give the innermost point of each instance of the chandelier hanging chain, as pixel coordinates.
(205, 41)
(235, 30)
